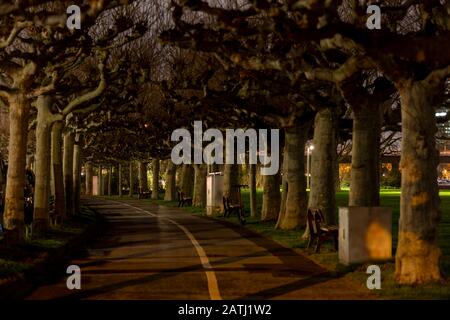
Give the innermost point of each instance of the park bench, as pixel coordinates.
(319, 231)
(238, 207)
(230, 208)
(144, 194)
(183, 199)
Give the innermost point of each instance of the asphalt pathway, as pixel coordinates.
(157, 252)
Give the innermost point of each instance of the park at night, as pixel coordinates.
(224, 150)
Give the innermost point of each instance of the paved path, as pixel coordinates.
(157, 252)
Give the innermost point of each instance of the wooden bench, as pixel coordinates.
(230, 208)
(183, 200)
(319, 231)
(144, 195)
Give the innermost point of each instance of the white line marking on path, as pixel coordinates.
(213, 286)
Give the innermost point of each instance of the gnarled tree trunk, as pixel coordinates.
(155, 179)
(14, 200)
(43, 148)
(284, 187)
(89, 176)
(76, 175)
(337, 178)
(199, 198)
(60, 207)
(230, 182)
(131, 191)
(252, 187)
(119, 181)
(365, 172)
(271, 197)
(294, 214)
(143, 184)
(322, 192)
(187, 180)
(171, 188)
(109, 175)
(68, 171)
(417, 259)
(101, 187)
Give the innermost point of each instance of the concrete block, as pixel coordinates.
(365, 234)
(214, 193)
(95, 186)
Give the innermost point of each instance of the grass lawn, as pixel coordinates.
(19, 259)
(329, 258)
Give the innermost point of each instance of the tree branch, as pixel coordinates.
(46, 89)
(18, 26)
(350, 67)
(436, 77)
(88, 96)
(4, 94)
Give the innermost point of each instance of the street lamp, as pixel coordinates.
(309, 149)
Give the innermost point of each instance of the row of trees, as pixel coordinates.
(324, 53)
(55, 81)
(312, 69)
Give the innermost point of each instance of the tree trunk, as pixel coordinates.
(89, 181)
(155, 179)
(231, 179)
(230, 182)
(199, 198)
(143, 184)
(259, 177)
(271, 197)
(51, 182)
(252, 187)
(13, 217)
(365, 172)
(171, 188)
(337, 178)
(418, 255)
(60, 207)
(322, 192)
(119, 183)
(187, 179)
(43, 148)
(110, 170)
(100, 181)
(76, 176)
(131, 191)
(68, 171)
(395, 174)
(296, 196)
(284, 187)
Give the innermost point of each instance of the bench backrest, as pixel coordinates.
(315, 219)
(226, 203)
(181, 195)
